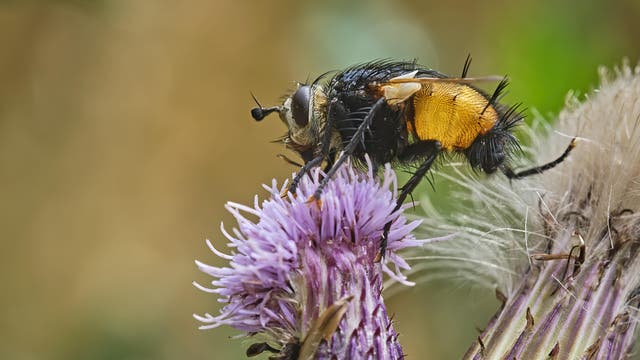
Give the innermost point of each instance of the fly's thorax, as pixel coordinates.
(452, 113)
(304, 114)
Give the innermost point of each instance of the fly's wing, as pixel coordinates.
(398, 92)
(426, 80)
(398, 89)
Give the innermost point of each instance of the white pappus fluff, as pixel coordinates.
(562, 246)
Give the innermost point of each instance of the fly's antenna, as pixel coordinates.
(260, 112)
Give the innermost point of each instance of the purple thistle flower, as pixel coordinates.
(302, 279)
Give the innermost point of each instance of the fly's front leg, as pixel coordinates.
(304, 170)
(349, 148)
(325, 153)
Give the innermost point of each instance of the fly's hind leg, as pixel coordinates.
(427, 151)
(539, 169)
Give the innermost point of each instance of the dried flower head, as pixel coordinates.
(302, 281)
(561, 248)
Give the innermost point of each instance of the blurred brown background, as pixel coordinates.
(125, 127)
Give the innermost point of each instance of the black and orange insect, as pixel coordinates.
(403, 113)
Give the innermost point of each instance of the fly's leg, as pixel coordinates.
(349, 148)
(427, 150)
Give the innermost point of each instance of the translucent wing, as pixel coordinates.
(400, 88)
(428, 80)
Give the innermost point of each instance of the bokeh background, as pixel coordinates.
(125, 127)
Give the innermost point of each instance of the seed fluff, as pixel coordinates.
(561, 248)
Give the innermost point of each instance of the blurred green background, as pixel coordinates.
(125, 128)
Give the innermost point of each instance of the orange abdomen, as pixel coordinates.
(454, 114)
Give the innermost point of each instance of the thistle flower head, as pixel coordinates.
(561, 248)
(302, 278)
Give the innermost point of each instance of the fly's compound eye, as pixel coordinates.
(300, 105)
